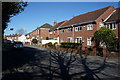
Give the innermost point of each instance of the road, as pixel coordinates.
(21, 62)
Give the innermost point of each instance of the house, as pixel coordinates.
(113, 22)
(81, 28)
(40, 33)
(22, 38)
(12, 37)
(54, 31)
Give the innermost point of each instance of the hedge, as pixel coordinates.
(70, 45)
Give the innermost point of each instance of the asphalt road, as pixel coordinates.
(14, 59)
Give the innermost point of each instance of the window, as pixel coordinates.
(62, 31)
(111, 26)
(79, 28)
(89, 27)
(69, 39)
(69, 29)
(62, 40)
(101, 24)
(50, 32)
(89, 42)
(78, 40)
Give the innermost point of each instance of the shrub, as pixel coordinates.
(90, 49)
(35, 41)
(47, 38)
(70, 45)
(50, 44)
(55, 43)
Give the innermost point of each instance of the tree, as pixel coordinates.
(47, 38)
(21, 31)
(105, 37)
(35, 41)
(10, 9)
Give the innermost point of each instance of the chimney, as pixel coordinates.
(55, 23)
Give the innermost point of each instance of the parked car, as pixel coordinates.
(18, 44)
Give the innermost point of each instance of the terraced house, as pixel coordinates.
(81, 28)
(12, 37)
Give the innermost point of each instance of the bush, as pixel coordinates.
(70, 45)
(55, 43)
(47, 38)
(90, 49)
(50, 44)
(35, 41)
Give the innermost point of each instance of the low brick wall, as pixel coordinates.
(92, 52)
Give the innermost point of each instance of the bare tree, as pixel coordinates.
(21, 31)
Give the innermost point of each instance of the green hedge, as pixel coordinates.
(70, 45)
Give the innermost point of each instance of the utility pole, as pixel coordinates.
(119, 27)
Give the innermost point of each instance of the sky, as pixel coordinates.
(39, 13)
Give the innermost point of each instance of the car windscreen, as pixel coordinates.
(18, 42)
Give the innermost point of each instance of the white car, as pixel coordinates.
(18, 44)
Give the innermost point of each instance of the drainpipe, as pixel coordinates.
(73, 34)
(119, 35)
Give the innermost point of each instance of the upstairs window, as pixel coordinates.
(69, 29)
(62, 30)
(79, 28)
(50, 32)
(90, 27)
(111, 26)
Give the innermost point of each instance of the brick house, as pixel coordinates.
(81, 28)
(12, 37)
(114, 21)
(54, 31)
(40, 33)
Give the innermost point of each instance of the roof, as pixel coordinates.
(57, 25)
(46, 26)
(87, 17)
(115, 16)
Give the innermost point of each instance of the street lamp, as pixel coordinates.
(11, 29)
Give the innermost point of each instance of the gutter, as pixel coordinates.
(74, 25)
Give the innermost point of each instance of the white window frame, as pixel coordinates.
(89, 41)
(78, 28)
(62, 31)
(111, 25)
(70, 29)
(78, 38)
(50, 33)
(90, 27)
(101, 24)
